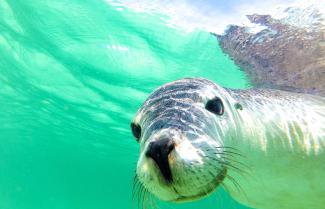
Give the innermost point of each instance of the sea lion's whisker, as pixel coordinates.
(235, 168)
(227, 147)
(136, 186)
(232, 150)
(237, 185)
(141, 197)
(147, 200)
(224, 186)
(230, 166)
(239, 167)
(236, 162)
(233, 153)
(139, 192)
(150, 201)
(231, 158)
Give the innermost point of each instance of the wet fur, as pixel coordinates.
(270, 142)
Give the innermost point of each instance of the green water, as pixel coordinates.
(72, 75)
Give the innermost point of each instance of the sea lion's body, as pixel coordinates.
(268, 145)
(283, 141)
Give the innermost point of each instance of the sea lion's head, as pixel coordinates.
(181, 128)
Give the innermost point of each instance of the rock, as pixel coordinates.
(284, 55)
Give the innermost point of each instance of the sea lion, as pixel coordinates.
(265, 147)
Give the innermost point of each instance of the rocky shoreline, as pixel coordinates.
(282, 55)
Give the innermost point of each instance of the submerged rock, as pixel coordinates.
(287, 54)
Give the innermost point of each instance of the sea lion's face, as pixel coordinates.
(180, 129)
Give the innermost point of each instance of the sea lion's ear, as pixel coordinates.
(238, 106)
(215, 106)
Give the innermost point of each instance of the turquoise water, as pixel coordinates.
(72, 75)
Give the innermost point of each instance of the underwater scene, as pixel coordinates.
(73, 75)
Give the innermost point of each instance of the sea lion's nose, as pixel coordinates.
(159, 150)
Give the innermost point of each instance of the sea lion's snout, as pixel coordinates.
(159, 151)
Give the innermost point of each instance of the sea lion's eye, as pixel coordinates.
(215, 106)
(136, 130)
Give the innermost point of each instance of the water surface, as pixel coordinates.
(72, 75)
